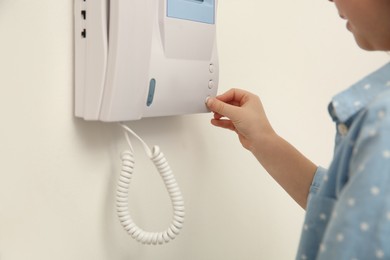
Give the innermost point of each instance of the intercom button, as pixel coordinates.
(211, 84)
(211, 68)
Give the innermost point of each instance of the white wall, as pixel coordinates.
(58, 173)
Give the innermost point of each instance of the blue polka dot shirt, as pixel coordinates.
(348, 211)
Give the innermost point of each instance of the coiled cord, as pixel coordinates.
(157, 157)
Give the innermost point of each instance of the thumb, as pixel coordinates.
(222, 108)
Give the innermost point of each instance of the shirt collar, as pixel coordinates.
(347, 103)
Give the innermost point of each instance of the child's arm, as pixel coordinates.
(243, 113)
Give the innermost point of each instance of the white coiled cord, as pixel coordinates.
(157, 157)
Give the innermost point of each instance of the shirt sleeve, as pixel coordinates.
(318, 179)
(359, 227)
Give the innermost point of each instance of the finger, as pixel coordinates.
(233, 96)
(217, 116)
(227, 124)
(222, 108)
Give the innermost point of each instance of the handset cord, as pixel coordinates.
(157, 157)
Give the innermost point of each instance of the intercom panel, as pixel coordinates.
(144, 58)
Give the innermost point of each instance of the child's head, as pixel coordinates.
(368, 20)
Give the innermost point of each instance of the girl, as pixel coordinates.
(348, 205)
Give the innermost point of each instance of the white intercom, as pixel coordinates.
(144, 58)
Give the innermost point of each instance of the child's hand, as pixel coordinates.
(242, 112)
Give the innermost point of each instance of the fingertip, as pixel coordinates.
(217, 116)
(209, 101)
(213, 122)
(227, 124)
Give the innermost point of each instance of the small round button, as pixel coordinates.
(211, 68)
(211, 84)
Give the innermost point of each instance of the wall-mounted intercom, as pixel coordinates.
(144, 58)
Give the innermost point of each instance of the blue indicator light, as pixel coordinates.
(152, 89)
